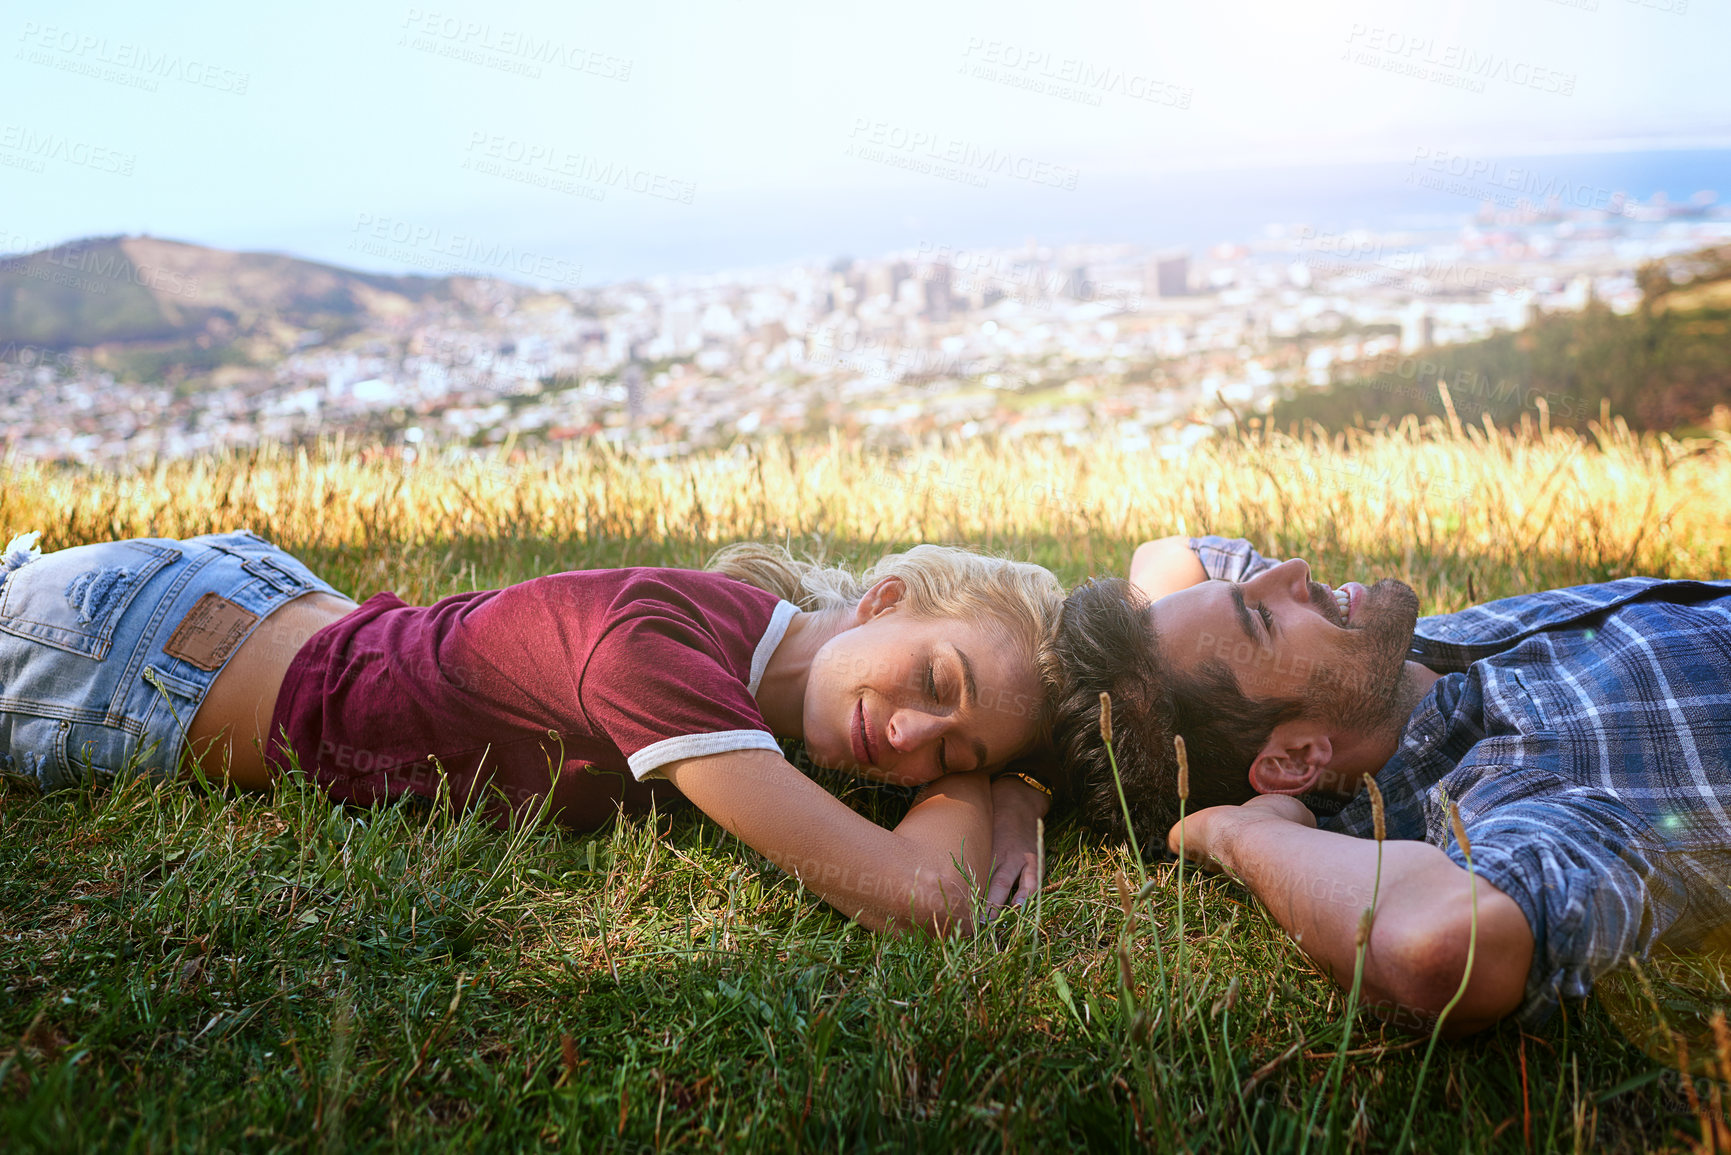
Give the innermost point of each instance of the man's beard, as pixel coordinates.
(1361, 690)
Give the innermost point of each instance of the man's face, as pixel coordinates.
(1285, 637)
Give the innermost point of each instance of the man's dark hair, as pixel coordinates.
(1107, 642)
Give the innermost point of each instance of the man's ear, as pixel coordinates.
(1296, 755)
(883, 597)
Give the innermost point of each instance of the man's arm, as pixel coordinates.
(1316, 883)
(1158, 568)
(1169, 564)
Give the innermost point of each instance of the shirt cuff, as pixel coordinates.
(1228, 559)
(647, 762)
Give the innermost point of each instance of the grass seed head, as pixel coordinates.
(1378, 815)
(1183, 768)
(1105, 717)
(1454, 813)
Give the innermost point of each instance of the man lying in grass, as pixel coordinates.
(1584, 735)
(575, 693)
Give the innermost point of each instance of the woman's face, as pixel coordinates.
(905, 700)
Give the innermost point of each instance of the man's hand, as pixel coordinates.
(1209, 834)
(1317, 884)
(1016, 812)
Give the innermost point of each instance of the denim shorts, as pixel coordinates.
(107, 650)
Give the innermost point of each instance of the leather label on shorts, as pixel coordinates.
(209, 632)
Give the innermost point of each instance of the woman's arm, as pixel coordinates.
(922, 874)
(1165, 566)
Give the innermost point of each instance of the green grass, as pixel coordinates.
(183, 969)
(190, 971)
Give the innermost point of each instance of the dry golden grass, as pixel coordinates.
(1436, 507)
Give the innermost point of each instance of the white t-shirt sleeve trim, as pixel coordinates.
(647, 762)
(772, 636)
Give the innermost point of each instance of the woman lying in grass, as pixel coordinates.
(578, 693)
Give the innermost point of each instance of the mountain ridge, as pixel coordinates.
(145, 291)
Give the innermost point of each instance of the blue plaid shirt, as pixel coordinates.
(1585, 734)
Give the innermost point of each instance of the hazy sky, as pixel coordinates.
(617, 132)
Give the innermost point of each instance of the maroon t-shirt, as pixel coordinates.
(577, 684)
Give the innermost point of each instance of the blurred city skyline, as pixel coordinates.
(664, 138)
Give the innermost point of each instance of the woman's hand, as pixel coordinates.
(1016, 812)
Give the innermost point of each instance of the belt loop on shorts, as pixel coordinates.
(19, 552)
(268, 570)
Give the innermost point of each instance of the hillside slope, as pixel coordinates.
(1666, 366)
(127, 290)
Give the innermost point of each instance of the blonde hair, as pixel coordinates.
(939, 581)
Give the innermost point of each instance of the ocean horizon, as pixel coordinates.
(724, 231)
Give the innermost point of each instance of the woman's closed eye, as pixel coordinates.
(937, 700)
